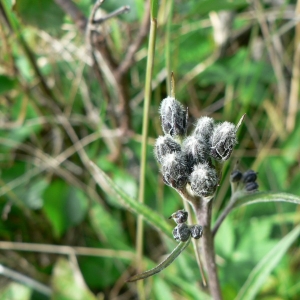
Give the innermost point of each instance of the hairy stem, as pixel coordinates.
(203, 211)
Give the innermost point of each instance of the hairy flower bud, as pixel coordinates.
(204, 129)
(236, 176)
(204, 180)
(173, 117)
(249, 176)
(223, 140)
(165, 145)
(196, 231)
(195, 151)
(181, 232)
(251, 186)
(179, 216)
(175, 170)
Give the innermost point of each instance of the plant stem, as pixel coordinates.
(203, 211)
(148, 80)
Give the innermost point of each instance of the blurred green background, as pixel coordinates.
(60, 106)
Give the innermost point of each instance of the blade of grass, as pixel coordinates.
(260, 273)
(148, 80)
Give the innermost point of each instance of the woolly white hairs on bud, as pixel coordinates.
(223, 140)
(173, 117)
(195, 150)
(165, 145)
(204, 129)
(204, 180)
(175, 171)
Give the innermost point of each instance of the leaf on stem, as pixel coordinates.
(139, 208)
(261, 197)
(174, 254)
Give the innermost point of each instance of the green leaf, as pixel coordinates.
(262, 197)
(68, 283)
(107, 227)
(54, 203)
(7, 84)
(64, 206)
(261, 272)
(111, 188)
(45, 15)
(76, 206)
(15, 291)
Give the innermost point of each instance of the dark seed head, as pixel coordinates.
(251, 186)
(236, 176)
(179, 216)
(181, 232)
(249, 176)
(196, 231)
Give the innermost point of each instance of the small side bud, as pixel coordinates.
(195, 151)
(236, 176)
(251, 186)
(165, 145)
(223, 140)
(204, 129)
(181, 232)
(249, 176)
(204, 180)
(175, 171)
(179, 216)
(173, 117)
(196, 231)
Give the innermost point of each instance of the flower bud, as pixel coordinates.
(165, 145)
(223, 140)
(175, 170)
(236, 176)
(195, 151)
(204, 129)
(204, 180)
(179, 216)
(196, 231)
(251, 186)
(173, 117)
(249, 176)
(181, 232)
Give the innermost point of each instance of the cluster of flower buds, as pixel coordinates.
(245, 180)
(182, 231)
(188, 160)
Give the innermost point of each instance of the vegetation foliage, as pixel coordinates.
(71, 117)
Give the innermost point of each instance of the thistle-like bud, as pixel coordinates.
(249, 176)
(204, 129)
(173, 117)
(181, 232)
(223, 140)
(175, 170)
(236, 176)
(196, 231)
(251, 186)
(179, 216)
(165, 145)
(204, 180)
(195, 151)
